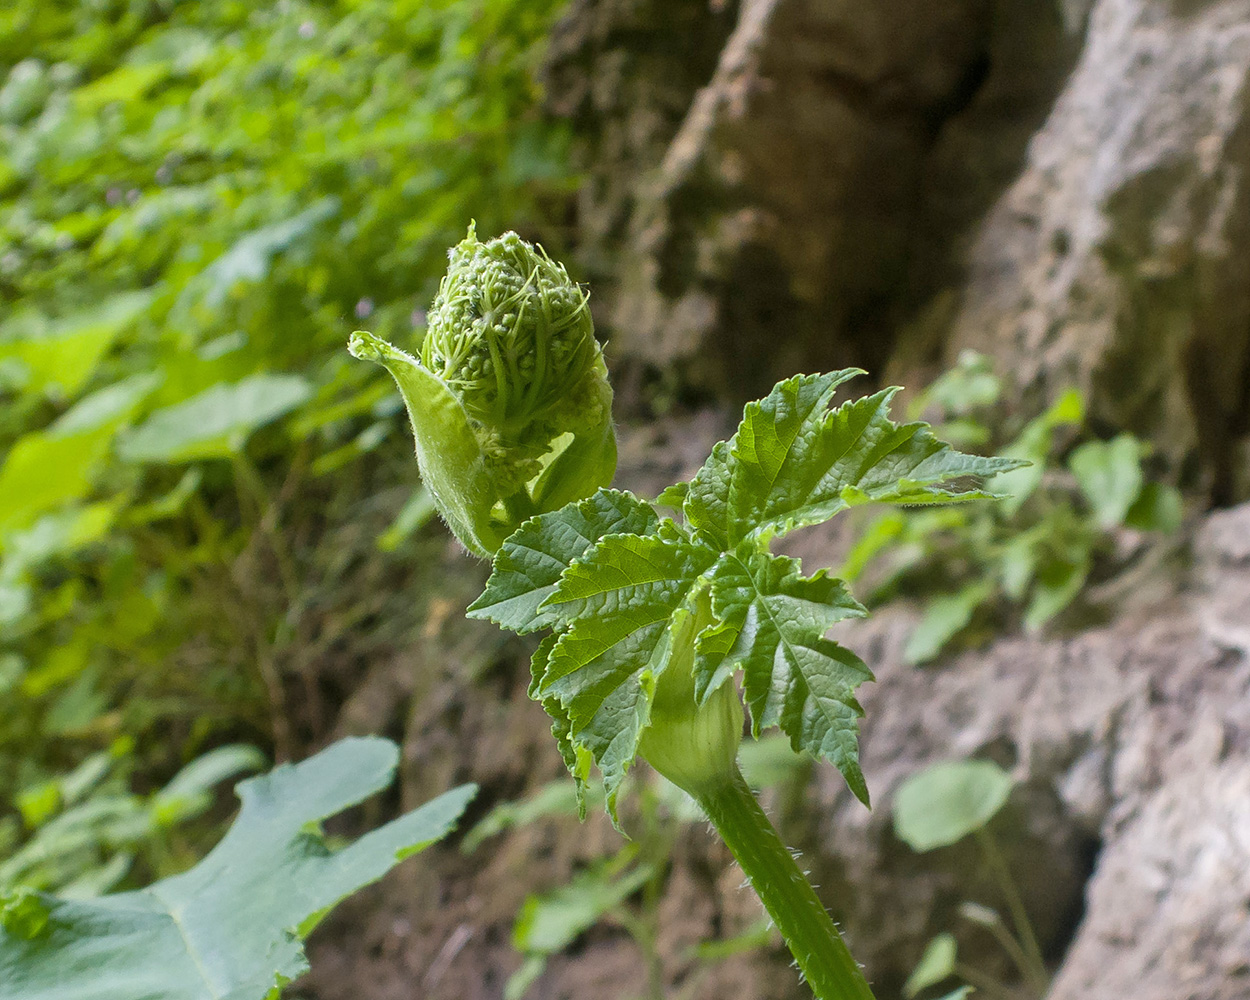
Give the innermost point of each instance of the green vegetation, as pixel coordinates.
(936, 808)
(1029, 557)
(197, 202)
(625, 889)
(231, 927)
(652, 619)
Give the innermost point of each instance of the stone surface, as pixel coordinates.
(1130, 745)
(812, 192)
(783, 185)
(779, 215)
(1119, 260)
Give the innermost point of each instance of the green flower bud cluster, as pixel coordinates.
(509, 398)
(509, 332)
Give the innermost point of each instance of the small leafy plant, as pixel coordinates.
(1036, 550)
(652, 621)
(938, 807)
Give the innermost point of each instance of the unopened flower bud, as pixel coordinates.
(509, 397)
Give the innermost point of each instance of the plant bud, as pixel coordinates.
(509, 398)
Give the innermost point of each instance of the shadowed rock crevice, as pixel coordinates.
(829, 163)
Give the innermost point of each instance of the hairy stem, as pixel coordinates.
(809, 932)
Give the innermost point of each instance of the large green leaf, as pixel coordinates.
(217, 422)
(231, 927)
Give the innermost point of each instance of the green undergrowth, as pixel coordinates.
(197, 200)
(1082, 510)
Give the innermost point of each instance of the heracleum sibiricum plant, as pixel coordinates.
(660, 628)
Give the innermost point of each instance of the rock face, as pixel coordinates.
(791, 217)
(1119, 260)
(1168, 909)
(1060, 185)
(1131, 748)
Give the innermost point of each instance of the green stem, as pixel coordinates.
(821, 953)
(1019, 915)
(1012, 947)
(984, 983)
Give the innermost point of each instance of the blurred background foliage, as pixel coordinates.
(209, 521)
(199, 200)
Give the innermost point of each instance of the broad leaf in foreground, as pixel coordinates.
(231, 928)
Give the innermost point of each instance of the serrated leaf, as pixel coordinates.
(577, 759)
(793, 677)
(529, 564)
(705, 503)
(776, 449)
(617, 605)
(673, 496)
(230, 928)
(796, 463)
(621, 598)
